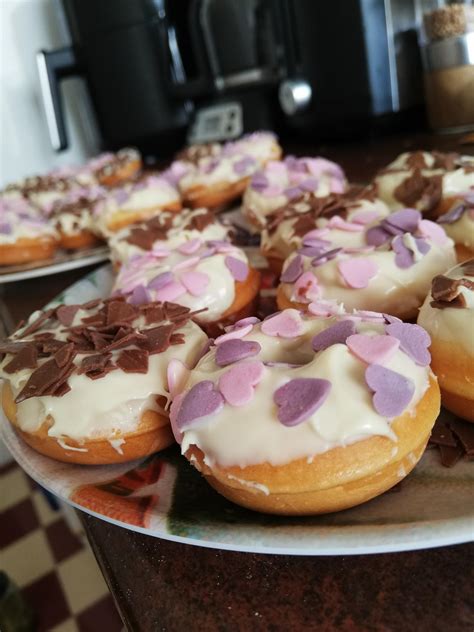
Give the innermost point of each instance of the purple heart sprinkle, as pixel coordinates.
(239, 269)
(298, 399)
(139, 295)
(403, 221)
(259, 182)
(453, 215)
(414, 341)
(160, 280)
(292, 193)
(120, 196)
(336, 334)
(315, 242)
(376, 236)
(392, 391)
(403, 255)
(422, 245)
(324, 257)
(6, 228)
(293, 271)
(312, 251)
(202, 400)
(310, 185)
(293, 164)
(242, 166)
(234, 350)
(243, 322)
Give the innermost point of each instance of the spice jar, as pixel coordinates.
(447, 46)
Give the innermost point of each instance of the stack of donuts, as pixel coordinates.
(315, 408)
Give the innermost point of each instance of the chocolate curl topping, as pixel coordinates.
(107, 329)
(446, 292)
(416, 188)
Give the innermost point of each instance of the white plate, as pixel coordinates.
(61, 262)
(165, 497)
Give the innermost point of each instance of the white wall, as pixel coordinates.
(25, 27)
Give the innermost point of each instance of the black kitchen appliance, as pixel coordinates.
(161, 72)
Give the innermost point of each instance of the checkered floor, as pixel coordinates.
(56, 572)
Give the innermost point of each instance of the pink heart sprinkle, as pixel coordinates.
(177, 373)
(285, 324)
(373, 349)
(323, 308)
(234, 334)
(433, 231)
(195, 282)
(237, 384)
(187, 263)
(365, 217)
(160, 252)
(190, 247)
(306, 288)
(170, 292)
(338, 223)
(316, 233)
(357, 273)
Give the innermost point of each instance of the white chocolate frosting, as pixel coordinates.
(200, 280)
(235, 161)
(452, 324)
(252, 433)
(107, 407)
(281, 181)
(151, 194)
(179, 227)
(455, 180)
(283, 240)
(386, 284)
(20, 220)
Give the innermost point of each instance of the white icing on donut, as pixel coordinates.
(20, 220)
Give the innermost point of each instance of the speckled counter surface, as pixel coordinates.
(160, 585)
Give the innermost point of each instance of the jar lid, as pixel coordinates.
(448, 53)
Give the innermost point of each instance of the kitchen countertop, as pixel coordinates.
(161, 585)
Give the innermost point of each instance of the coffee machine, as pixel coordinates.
(164, 72)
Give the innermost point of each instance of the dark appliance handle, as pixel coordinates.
(53, 66)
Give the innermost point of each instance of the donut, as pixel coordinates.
(90, 383)
(166, 229)
(25, 236)
(73, 218)
(218, 178)
(427, 181)
(42, 191)
(212, 278)
(458, 223)
(286, 227)
(301, 415)
(448, 316)
(282, 182)
(390, 272)
(134, 202)
(112, 169)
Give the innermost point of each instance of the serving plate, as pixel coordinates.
(61, 262)
(163, 496)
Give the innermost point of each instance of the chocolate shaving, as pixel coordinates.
(418, 188)
(27, 358)
(416, 160)
(200, 221)
(120, 312)
(173, 311)
(153, 314)
(36, 324)
(65, 314)
(94, 363)
(465, 433)
(65, 354)
(450, 456)
(442, 435)
(157, 339)
(454, 438)
(133, 361)
(446, 292)
(447, 161)
(43, 380)
(95, 320)
(49, 346)
(10, 346)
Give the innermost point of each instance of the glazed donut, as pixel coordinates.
(89, 383)
(390, 272)
(212, 278)
(427, 181)
(166, 229)
(111, 169)
(134, 202)
(448, 316)
(299, 415)
(25, 236)
(286, 227)
(458, 223)
(221, 176)
(74, 219)
(282, 182)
